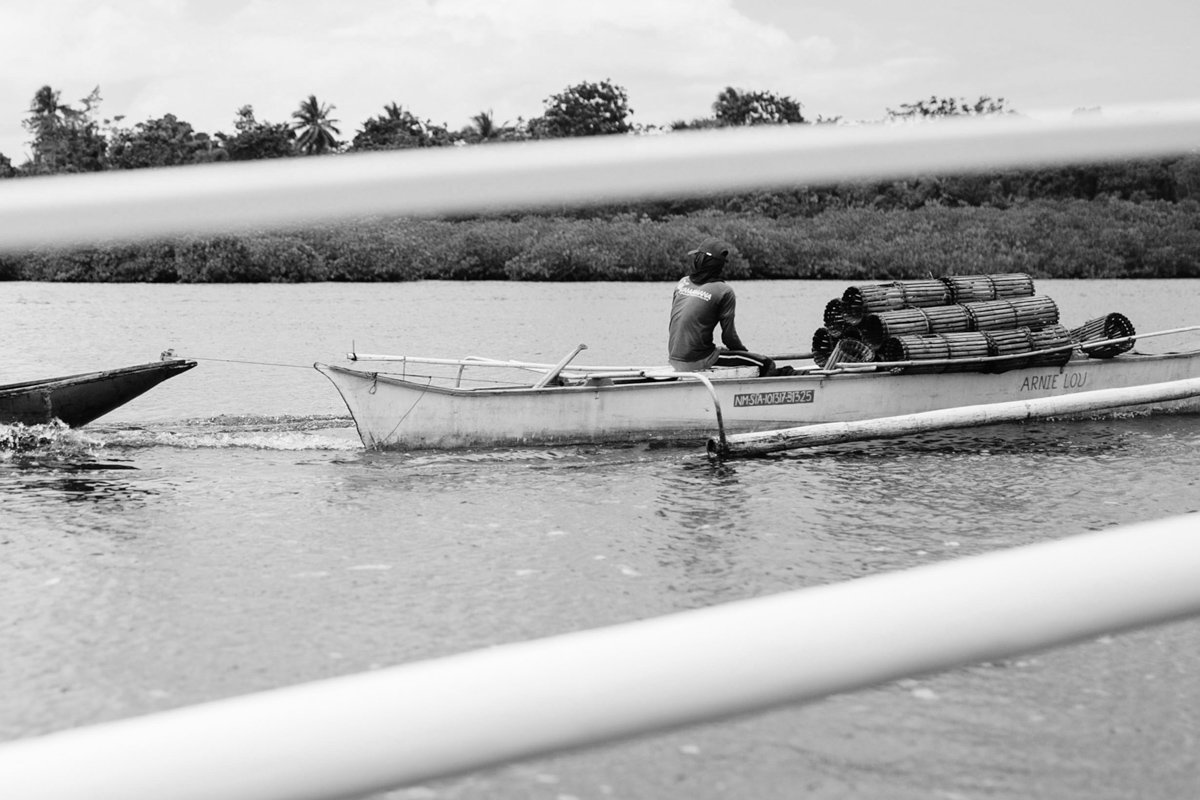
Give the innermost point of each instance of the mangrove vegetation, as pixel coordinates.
(1128, 219)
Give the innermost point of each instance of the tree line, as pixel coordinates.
(67, 138)
(75, 138)
(1135, 218)
(1043, 238)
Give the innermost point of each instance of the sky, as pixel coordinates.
(448, 60)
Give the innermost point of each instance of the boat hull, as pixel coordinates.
(396, 413)
(79, 399)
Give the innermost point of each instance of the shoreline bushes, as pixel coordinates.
(1044, 238)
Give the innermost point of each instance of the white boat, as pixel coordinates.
(402, 410)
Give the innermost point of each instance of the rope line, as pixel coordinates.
(239, 361)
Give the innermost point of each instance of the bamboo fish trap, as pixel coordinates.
(970, 346)
(835, 316)
(1020, 312)
(1110, 326)
(976, 288)
(915, 321)
(1052, 336)
(858, 301)
(1008, 343)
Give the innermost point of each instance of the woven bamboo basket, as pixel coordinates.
(858, 301)
(1052, 336)
(822, 345)
(977, 288)
(850, 351)
(854, 349)
(1110, 326)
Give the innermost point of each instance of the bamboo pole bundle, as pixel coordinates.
(1053, 336)
(1110, 326)
(1006, 343)
(1035, 312)
(977, 288)
(858, 301)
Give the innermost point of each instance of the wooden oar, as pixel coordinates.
(750, 444)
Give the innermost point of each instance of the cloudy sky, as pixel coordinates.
(446, 60)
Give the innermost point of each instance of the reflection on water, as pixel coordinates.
(99, 494)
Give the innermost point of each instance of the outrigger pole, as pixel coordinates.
(764, 442)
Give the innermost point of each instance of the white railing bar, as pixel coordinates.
(61, 210)
(414, 723)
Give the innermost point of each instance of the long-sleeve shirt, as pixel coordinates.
(696, 310)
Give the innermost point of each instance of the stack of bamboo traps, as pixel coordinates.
(978, 323)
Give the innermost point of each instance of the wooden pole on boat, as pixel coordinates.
(395, 727)
(761, 443)
(557, 368)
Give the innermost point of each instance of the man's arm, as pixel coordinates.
(729, 335)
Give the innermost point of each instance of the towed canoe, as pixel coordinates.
(78, 399)
(403, 411)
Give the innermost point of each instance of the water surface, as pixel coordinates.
(226, 533)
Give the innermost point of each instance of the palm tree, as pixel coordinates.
(485, 125)
(47, 117)
(317, 132)
(485, 129)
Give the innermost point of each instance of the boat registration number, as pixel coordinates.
(772, 398)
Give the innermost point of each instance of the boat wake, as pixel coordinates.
(250, 432)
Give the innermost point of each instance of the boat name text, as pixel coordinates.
(772, 398)
(1043, 383)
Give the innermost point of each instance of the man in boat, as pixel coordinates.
(702, 300)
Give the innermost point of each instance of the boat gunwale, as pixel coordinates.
(882, 370)
(175, 364)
